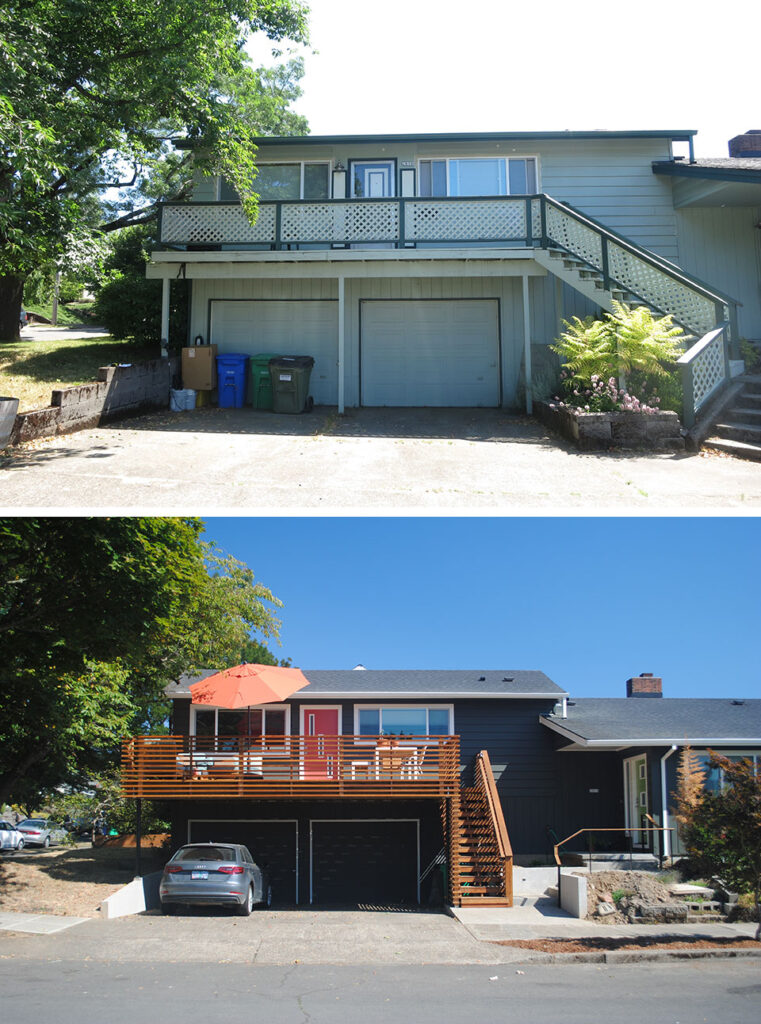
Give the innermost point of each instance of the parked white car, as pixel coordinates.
(41, 831)
(10, 837)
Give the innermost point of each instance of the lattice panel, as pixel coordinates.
(708, 371)
(199, 224)
(689, 307)
(536, 219)
(353, 221)
(430, 221)
(577, 238)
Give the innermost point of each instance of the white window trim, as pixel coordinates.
(195, 708)
(410, 707)
(481, 156)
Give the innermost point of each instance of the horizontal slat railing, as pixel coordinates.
(291, 766)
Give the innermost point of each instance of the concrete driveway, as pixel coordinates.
(369, 460)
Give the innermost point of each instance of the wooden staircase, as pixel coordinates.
(481, 858)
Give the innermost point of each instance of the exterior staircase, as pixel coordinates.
(481, 859)
(586, 280)
(737, 429)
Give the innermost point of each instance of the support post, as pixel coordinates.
(527, 345)
(341, 342)
(165, 317)
(138, 836)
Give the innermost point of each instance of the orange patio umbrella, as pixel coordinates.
(246, 685)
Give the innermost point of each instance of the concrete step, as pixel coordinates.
(745, 413)
(734, 430)
(740, 449)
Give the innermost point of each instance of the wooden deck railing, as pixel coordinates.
(290, 767)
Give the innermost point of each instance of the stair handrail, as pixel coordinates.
(646, 255)
(486, 778)
(715, 374)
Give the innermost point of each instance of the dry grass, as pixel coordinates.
(31, 370)
(68, 881)
(643, 942)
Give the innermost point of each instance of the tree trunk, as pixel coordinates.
(11, 292)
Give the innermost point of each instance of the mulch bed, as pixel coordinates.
(643, 942)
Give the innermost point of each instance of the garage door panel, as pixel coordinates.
(364, 861)
(272, 841)
(436, 353)
(303, 328)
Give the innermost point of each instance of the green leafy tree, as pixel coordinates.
(94, 89)
(722, 830)
(97, 615)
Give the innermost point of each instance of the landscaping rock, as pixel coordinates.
(639, 912)
(605, 909)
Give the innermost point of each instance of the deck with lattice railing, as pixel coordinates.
(160, 767)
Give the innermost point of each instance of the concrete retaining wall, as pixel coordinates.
(573, 895)
(119, 391)
(593, 431)
(138, 895)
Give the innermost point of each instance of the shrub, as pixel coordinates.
(623, 361)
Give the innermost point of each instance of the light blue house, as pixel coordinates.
(434, 270)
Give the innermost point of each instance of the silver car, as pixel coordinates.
(214, 873)
(41, 831)
(10, 837)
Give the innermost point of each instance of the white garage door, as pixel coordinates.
(441, 352)
(299, 328)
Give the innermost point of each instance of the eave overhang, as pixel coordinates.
(579, 742)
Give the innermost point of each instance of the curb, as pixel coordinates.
(626, 956)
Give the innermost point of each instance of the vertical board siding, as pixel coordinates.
(722, 245)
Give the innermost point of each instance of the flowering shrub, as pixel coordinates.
(601, 396)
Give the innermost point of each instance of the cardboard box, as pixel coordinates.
(199, 367)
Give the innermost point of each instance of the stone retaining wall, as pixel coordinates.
(119, 391)
(594, 431)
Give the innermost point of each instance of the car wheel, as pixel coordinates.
(47, 842)
(20, 844)
(268, 897)
(245, 909)
(168, 908)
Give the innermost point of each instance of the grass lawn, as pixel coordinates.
(70, 315)
(31, 370)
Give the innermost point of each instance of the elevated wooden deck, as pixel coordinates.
(291, 767)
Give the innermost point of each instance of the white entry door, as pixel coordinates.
(439, 352)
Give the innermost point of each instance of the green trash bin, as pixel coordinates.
(261, 381)
(290, 383)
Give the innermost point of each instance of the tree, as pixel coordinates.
(96, 616)
(94, 89)
(690, 785)
(723, 829)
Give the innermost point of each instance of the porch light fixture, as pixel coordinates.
(339, 181)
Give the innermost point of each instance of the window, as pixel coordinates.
(398, 719)
(714, 777)
(216, 728)
(286, 181)
(479, 176)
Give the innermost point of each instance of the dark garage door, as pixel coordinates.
(364, 861)
(273, 841)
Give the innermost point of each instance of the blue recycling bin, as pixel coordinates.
(231, 380)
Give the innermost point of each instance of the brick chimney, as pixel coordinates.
(746, 145)
(644, 685)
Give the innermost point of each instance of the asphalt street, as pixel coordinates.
(76, 992)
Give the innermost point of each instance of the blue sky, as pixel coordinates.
(590, 602)
(444, 66)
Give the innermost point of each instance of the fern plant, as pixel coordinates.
(628, 341)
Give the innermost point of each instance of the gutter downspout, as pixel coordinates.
(664, 803)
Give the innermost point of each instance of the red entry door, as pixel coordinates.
(321, 759)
